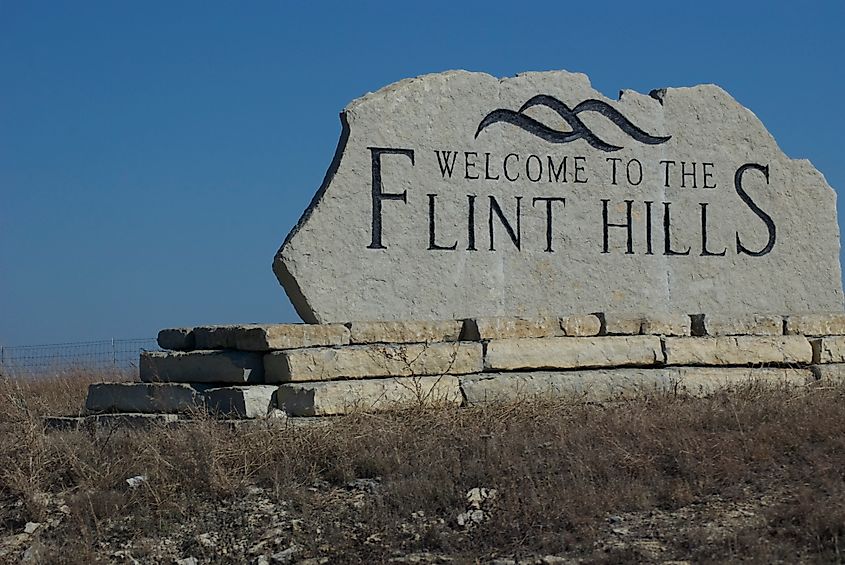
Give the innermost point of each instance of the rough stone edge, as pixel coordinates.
(280, 267)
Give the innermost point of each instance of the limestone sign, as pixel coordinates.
(458, 194)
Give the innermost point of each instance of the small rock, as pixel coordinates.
(125, 555)
(478, 495)
(471, 517)
(503, 562)
(31, 527)
(650, 548)
(614, 519)
(33, 554)
(553, 560)
(206, 540)
(187, 561)
(421, 557)
(64, 509)
(463, 518)
(285, 556)
(262, 560)
(367, 485)
(136, 481)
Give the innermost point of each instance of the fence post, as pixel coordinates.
(113, 354)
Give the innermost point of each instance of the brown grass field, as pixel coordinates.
(751, 475)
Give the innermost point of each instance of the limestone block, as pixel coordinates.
(147, 398)
(341, 397)
(743, 324)
(573, 352)
(700, 381)
(623, 323)
(737, 350)
(177, 339)
(136, 420)
(421, 331)
(666, 324)
(618, 384)
(832, 374)
(268, 337)
(580, 325)
(362, 361)
(832, 323)
(503, 327)
(202, 367)
(213, 337)
(583, 385)
(829, 349)
(656, 323)
(251, 401)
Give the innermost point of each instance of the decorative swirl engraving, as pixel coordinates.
(570, 116)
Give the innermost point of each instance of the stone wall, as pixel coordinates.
(256, 371)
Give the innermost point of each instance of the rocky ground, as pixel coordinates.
(753, 476)
(257, 529)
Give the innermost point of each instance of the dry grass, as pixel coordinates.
(755, 474)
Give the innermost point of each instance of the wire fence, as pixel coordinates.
(111, 354)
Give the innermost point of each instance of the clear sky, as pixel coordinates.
(153, 155)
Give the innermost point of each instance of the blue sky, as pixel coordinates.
(153, 155)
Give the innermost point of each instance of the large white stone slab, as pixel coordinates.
(817, 324)
(616, 384)
(405, 331)
(830, 349)
(460, 195)
(375, 360)
(266, 337)
(573, 352)
(829, 375)
(342, 397)
(699, 381)
(746, 324)
(737, 350)
(143, 397)
(249, 401)
(227, 366)
(588, 385)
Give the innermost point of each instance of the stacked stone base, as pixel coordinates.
(301, 370)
